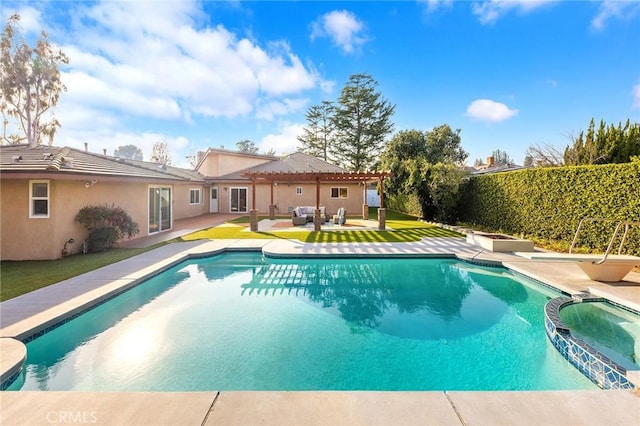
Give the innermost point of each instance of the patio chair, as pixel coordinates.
(298, 217)
(340, 217)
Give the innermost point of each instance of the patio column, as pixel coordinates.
(253, 220)
(317, 220)
(365, 205)
(272, 209)
(382, 219)
(253, 213)
(382, 212)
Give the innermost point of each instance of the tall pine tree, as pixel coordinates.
(362, 121)
(319, 133)
(607, 144)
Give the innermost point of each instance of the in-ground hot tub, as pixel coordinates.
(499, 242)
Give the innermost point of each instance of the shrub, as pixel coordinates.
(405, 203)
(106, 225)
(548, 203)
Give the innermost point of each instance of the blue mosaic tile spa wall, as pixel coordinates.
(601, 370)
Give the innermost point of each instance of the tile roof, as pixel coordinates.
(71, 161)
(498, 168)
(298, 162)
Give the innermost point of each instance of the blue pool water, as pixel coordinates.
(240, 322)
(613, 332)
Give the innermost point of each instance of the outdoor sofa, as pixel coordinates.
(303, 214)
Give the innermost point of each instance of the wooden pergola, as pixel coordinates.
(274, 177)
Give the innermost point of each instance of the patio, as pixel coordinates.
(267, 225)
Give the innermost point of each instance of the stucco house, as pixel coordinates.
(42, 188)
(228, 181)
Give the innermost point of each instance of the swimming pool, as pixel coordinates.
(238, 321)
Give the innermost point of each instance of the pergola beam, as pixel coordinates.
(314, 176)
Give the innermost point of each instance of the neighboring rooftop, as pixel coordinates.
(298, 162)
(492, 167)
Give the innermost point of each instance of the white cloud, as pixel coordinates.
(169, 66)
(109, 140)
(488, 12)
(490, 111)
(342, 27)
(141, 81)
(271, 109)
(30, 19)
(431, 6)
(91, 91)
(614, 9)
(327, 86)
(636, 96)
(285, 141)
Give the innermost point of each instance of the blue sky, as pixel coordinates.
(208, 74)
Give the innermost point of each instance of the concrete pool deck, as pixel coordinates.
(37, 310)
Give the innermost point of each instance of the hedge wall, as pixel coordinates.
(405, 203)
(548, 203)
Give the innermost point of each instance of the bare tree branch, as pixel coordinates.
(545, 155)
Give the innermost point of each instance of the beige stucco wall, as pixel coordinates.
(285, 197)
(181, 207)
(23, 238)
(222, 163)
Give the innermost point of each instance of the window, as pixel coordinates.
(194, 196)
(298, 190)
(339, 192)
(38, 198)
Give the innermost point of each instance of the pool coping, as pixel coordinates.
(96, 286)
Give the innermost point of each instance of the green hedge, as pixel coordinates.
(548, 203)
(405, 203)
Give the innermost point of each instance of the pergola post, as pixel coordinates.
(382, 212)
(365, 204)
(253, 213)
(317, 220)
(272, 209)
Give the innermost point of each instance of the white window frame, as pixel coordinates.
(197, 191)
(32, 215)
(339, 190)
(298, 190)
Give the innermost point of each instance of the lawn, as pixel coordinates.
(17, 278)
(21, 277)
(405, 229)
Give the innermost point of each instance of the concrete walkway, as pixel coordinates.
(24, 315)
(320, 408)
(180, 227)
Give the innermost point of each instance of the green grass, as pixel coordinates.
(18, 278)
(405, 229)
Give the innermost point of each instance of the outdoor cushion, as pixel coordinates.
(340, 217)
(307, 212)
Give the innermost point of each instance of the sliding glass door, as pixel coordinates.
(159, 209)
(238, 200)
